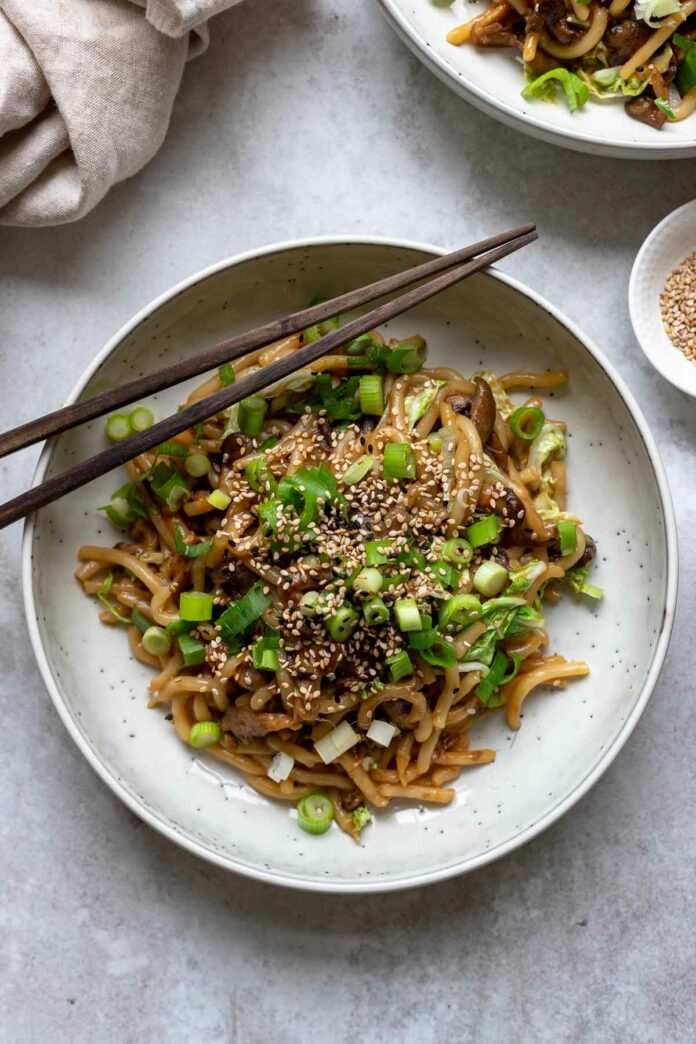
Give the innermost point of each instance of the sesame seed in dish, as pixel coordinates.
(678, 307)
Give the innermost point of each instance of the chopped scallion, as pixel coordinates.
(118, 427)
(457, 551)
(244, 612)
(490, 578)
(219, 500)
(485, 531)
(526, 422)
(156, 641)
(399, 461)
(190, 550)
(358, 470)
(141, 418)
(226, 375)
(315, 813)
(371, 392)
(567, 537)
(252, 414)
(400, 666)
(197, 465)
(376, 552)
(205, 734)
(342, 623)
(196, 606)
(368, 581)
(192, 650)
(407, 615)
(375, 612)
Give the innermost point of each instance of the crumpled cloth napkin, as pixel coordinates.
(86, 93)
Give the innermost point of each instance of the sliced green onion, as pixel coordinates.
(592, 591)
(226, 375)
(197, 465)
(342, 624)
(156, 641)
(179, 627)
(400, 666)
(445, 573)
(359, 345)
(241, 614)
(368, 580)
(483, 532)
(336, 742)
(440, 654)
(375, 612)
(205, 734)
(192, 650)
(118, 427)
(407, 615)
(358, 470)
(666, 108)
(139, 620)
(169, 484)
(567, 537)
(405, 359)
(490, 578)
(280, 768)
(394, 581)
(376, 552)
(371, 392)
(460, 611)
(119, 512)
(313, 333)
(412, 557)
(252, 414)
(310, 488)
(264, 653)
(399, 461)
(102, 595)
(196, 605)
(259, 476)
(526, 422)
(190, 550)
(457, 551)
(315, 813)
(312, 603)
(219, 500)
(420, 640)
(497, 675)
(436, 441)
(171, 449)
(141, 418)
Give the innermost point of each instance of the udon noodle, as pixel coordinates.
(641, 51)
(333, 583)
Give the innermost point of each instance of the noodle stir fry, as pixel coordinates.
(334, 581)
(643, 51)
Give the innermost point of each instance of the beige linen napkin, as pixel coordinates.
(86, 93)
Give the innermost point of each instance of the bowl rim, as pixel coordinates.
(566, 137)
(421, 877)
(651, 348)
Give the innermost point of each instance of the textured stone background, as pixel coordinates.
(306, 117)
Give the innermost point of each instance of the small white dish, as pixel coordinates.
(569, 738)
(669, 243)
(492, 80)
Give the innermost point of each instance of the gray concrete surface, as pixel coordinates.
(305, 117)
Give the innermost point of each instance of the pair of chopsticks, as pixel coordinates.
(442, 272)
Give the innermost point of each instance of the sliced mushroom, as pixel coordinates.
(483, 409)
(506, 504)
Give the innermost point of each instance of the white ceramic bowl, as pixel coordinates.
(568, 738)
(492, 80)
(669, 243)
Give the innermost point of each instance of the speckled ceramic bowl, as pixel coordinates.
(617, 485)
(492, 80)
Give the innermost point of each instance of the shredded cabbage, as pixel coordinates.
(650, 10)
(503, 405)
(522, 579)
(420, 402)
(543, 87)
(550, 444)
(607, 83)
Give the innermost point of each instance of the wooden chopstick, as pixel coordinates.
(82, 473)
(234, 347)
